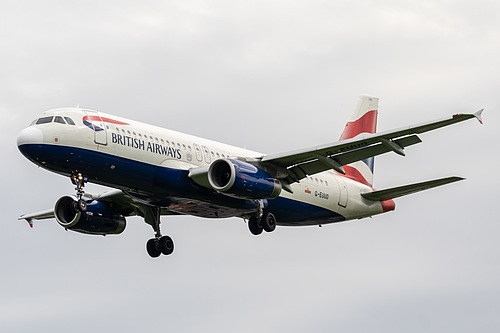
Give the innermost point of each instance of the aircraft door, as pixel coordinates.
(199, 155)
(95, 122)
(342, 191)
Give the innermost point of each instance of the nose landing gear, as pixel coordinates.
(79, 180)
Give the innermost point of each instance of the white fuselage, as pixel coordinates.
(128, 144)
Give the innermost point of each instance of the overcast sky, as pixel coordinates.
(271, 76)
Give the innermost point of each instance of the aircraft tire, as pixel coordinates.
(152, 246)
(166, 245)
(254, 225)
(82, 205)
(268, 222)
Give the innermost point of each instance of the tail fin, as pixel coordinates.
(362, 121)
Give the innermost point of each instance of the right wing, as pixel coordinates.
(296, 165)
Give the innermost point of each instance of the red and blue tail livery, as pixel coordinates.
(363, 121)
(154, 172)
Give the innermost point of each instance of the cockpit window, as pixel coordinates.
(44, 120)
(59, 119)
(69, 121)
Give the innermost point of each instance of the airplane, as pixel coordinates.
(155, 172)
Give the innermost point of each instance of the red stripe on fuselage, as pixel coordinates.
(366, 124)
(104, 119)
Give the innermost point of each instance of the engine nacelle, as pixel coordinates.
(242, 180)
(98, 219)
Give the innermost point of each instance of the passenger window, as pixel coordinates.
(69, 121)
(44, 120)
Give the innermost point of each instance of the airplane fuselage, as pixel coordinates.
(153, 165)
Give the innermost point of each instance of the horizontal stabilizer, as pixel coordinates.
(400, 191)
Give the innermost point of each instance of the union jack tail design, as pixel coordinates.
(362, 121)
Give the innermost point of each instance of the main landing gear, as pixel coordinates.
(265, 222)
(79, 180)
(159, 244)
(261, 221)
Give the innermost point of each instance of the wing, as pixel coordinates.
(296, 165)
(46, 214)
(118, 200)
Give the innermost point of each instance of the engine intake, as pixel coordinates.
(242, 180)
(98, 219)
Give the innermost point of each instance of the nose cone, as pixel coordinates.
(29, 135)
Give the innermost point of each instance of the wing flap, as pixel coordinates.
(400, 191)
(319, 165)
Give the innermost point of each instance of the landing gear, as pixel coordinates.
(266, 222)
(79, 180)
(159, 244)
(254, 225)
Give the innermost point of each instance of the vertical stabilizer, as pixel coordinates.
(362, 121)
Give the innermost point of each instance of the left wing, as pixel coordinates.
(46, 214)
(296, 165)
(119, 201)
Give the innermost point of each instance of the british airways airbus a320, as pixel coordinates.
(155, 171)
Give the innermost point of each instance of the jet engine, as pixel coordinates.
(242, 180)
(97, 219)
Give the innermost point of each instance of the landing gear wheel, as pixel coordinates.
(153, 248)
(82, 205)
(166, 245)
(254, 225)
(268, 222)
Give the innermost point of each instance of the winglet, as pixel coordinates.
(37, 216)
(29, 220)
(478, 115)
